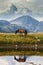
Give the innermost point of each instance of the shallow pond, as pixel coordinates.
(30, 60)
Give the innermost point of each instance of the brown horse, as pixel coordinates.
(21, 31)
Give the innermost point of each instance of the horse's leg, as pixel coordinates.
(25, 34)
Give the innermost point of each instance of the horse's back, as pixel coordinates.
(22, 31)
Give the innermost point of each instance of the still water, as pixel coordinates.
(30, 60)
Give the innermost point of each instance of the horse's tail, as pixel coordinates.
(25, 33)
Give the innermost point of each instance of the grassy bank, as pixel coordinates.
(11, 38)
(12, 53)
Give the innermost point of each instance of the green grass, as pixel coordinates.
(12, 53)
(10, 39)
(15, 39)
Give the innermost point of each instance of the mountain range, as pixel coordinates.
(24, 22)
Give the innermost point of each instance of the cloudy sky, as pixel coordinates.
(35, 6)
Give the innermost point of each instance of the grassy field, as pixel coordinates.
(11, 44)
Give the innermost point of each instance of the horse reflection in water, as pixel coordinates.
(20, 58)
(21, 31)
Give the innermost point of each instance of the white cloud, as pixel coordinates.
(36, 6)
(27, 0)
(4, 5)
(16, 1)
